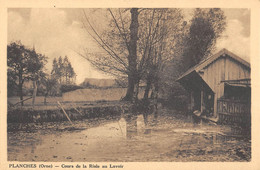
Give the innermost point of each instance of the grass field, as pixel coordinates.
(110, 94)
(39, 100)
(78, 96)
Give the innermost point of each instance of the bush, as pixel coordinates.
(40, 91)
(177, 97)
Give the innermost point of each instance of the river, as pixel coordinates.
(170, 137)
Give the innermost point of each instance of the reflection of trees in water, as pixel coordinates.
(145, 108)
(131, 125)
(149, 107)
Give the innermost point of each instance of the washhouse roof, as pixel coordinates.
(211, 59)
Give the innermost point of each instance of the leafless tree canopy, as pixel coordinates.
(136, 43)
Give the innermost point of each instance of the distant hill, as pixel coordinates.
(92, 82)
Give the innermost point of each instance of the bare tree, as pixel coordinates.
(120, 51)
(166, 26)
(129, 43)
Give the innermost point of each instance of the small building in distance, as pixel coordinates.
(220, 88)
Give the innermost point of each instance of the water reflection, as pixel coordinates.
(131, 125)
(134, 125)
(239, 131)
(136, 137)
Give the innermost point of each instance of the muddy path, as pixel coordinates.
(172, 137)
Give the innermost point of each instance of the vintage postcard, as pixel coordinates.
(131, 86)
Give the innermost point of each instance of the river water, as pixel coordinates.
(169, 137)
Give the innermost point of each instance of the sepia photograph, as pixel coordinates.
(128, 85)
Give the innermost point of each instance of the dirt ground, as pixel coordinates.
(173, 137)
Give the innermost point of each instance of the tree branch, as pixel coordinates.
(104, 44)
(120, 32)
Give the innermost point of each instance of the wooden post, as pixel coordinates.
(201, 101)
(64, 112)
(74, 107)
(215, 104)
(191, 101)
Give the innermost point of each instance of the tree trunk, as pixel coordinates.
(21, 93)
(34, 92)
(20, 87)
(136, 91)
(132, 57)
(45, 98)
(156, 94)
(130, 89)
(152, 93)
(156, 89)
(147, 88)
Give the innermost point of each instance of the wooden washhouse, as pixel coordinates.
(220, 88)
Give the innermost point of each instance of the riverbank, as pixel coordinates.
(66, 111)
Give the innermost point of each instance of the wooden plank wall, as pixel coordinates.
(224, 68)
(213, 74)
(234, 70)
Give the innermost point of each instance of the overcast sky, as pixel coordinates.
(58, 32)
